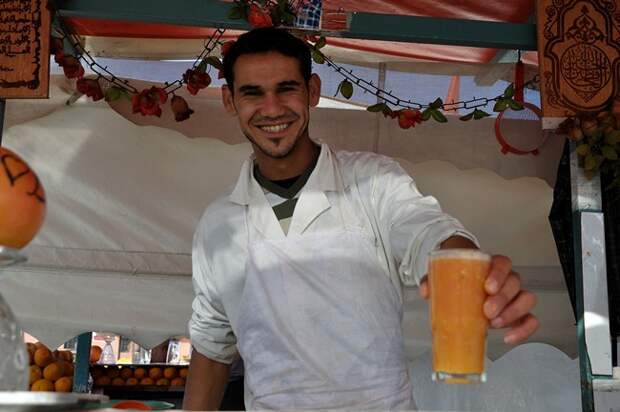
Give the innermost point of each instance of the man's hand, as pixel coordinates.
(507, 306)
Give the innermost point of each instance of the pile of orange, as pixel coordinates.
(138, 376)
(50, 371)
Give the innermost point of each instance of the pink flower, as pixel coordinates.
(408, 118)
(257, 17)
(196, 80)
(180, 108)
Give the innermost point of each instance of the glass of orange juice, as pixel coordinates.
(458, 322)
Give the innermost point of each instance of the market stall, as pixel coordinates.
(125, 192)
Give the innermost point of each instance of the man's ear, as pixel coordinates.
(314, 89)
(227, 99)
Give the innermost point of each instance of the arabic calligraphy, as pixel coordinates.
(20, 43)
(586, 68)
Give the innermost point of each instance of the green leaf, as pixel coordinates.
(113, 93)
(583, 149)
(480, 114)
(510, 91)
(609, 153)
(515, 105)
(468, 116)
(436, 104)
(375, 108)
(317, 56)
(426, 114)
(501, 105)
(438, 116)
(590, 163)
(387, 111)
(214, 61)
(346, 89)
(612, 138)
(321, 42)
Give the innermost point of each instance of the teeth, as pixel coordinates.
(275, 128)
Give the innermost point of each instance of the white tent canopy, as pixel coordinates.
(123, 200)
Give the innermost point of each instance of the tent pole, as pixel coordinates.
(82, 361)
(593, 333)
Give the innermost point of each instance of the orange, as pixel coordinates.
(39, 345)
(131, 382)
(170, 373)
(64, 384)
(95, 353)
(31, 349)
(113, 372)
(69, 369)
(35, 374)
(183, 372)
(163, 382)
(22, 201)
(126, 373)
(65, 355)
(53, 371)
(155, 373)
(42, 385)
(43, 357)
(103, 381)
(177, 382)
(118, 382)
(147, 381)
(139, 373)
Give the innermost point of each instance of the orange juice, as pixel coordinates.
(458, 322)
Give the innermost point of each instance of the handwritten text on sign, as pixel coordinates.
(24, 48)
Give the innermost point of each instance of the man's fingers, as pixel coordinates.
(522, 330)
(521, 306)
(500, 269)
(494, 304)
(425, 289)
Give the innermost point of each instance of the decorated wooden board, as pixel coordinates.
(579, 56)
(24, 48)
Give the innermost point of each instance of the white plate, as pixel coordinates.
(44, 401)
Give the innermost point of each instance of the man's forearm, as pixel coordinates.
(206, 383)
(458, 242)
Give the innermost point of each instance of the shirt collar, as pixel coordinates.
(325, 177)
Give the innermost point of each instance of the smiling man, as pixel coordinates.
(300, 269)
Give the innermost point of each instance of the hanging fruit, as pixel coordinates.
(22, 201)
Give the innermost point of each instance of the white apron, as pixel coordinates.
(319, 324)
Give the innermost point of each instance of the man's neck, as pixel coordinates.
(300, 159)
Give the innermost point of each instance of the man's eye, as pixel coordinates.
(287, 89)
(252, 93)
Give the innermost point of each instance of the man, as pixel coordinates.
(300, 269)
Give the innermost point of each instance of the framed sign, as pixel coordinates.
(24, 48)
(578, 56)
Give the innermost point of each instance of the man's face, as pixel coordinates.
(272, 101)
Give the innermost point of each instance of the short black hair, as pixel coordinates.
(265, 40)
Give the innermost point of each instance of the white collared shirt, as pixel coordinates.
(405, 226)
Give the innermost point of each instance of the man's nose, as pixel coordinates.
(272, 105)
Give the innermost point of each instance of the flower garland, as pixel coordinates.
(597, 136)
(68, 53)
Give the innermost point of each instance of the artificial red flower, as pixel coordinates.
(90, 87)
(196, 80)
(71, 66)
(220, 74)
(148, 101)
(226, 47)
(56, 45)
(180, 108)
(408, 118)
(257, 17)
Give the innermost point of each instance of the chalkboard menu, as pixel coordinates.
(24, 48)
